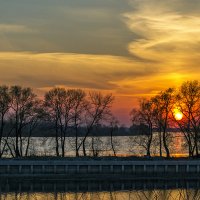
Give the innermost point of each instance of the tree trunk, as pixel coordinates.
(148, 152)
(165, 145)
(57, 142)
(63, 148)
(21, 145)
(190, 151)
(93, 150)
(57, 145)
(112, 145)
(76, 140)
(83, 141)
(1, 133)
(84, 151)
(17, 153)
(27, 147)
(77, 150)
(189, 144)
(149, 146)
(149, 139)
(196, 145)
(160, 143)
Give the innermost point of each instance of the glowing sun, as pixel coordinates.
(178, 114)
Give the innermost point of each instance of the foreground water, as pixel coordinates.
(87, 190)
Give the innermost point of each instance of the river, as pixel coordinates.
(87, 190)
(123, 145)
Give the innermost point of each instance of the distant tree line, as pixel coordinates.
(172, 108)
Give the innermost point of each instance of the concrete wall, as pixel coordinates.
(84, 168)
(92, 185)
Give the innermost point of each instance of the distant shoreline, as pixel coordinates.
(126, 133)
(101, 158)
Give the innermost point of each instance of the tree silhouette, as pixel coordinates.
(188, 102)
(23, 108)
(5, 104)
(145, 115)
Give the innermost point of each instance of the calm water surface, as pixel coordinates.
(123, 146)
(100, 190)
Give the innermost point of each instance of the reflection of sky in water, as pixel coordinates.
(99, 190)
(124, 146)
(176, 194)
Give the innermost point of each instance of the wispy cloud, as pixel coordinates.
(169, 33)
(74, 70)
(14, 28)
(84, 27)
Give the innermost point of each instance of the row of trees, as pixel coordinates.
(171, 109)
(67, 110)
(21, 111)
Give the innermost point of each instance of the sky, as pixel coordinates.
(131, 48)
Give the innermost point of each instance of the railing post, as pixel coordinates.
(100, 168)
(166, 168)
(123, 169)
(177, 169)
(66, 169)
(155, 169)
(8, 169)
(111, 169)
(55, 169)
(187, 168)
(144, 168)
(133, 169)
(78, 168)
(31, 169)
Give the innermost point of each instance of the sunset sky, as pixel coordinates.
(132, 48)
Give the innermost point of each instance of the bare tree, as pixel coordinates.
(66, 117)
(78, 110)
(188, 103)
(54, 104)
(158, 119)
(145, 115)
(5, 101)
(97, 110)
(163, 105)
(64, 109)
(37, 117)
(95, 142)
(113, 128)
(23, 103)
